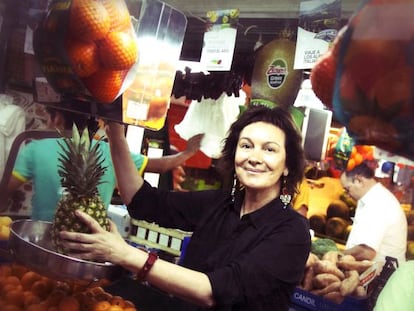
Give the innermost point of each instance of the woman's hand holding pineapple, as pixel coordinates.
(99, 245)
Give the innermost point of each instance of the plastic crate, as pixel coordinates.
(317, 303)
(152, 235)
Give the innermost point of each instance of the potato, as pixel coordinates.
(332, 256)
(324, 279)
(307, 279)
(333, 287)
(360, 292)
(350, 283)
(326, 266)
(358, 265)
(312, 258)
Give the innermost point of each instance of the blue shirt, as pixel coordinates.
(38, 161)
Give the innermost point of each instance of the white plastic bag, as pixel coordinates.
(213, 118)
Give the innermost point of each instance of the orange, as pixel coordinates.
(88, 20)
(69, 303)
(351, 164)
(86, 301)
(12, 280)
(118, 301)
(42, 306)
(55, 297)
(103, 297)
(9, 307)
(40, 288)
(369, 155)
(115, 308)
(29, 299)
(96, 290)
(119, 16)
(64, 286)
(101, 306)
(29, 278)
(18, 270)
(353, 152)
(129, 304)
(83, 57)
(130, 309)
(14, 297)
(358, 158)
(118, 50)
(105, 85)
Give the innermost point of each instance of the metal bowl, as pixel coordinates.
(30, 244)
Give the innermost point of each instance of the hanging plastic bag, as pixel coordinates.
(373, 95)
(86, 48)
(213, 118)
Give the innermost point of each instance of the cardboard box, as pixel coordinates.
(120, 216)
(154, 236)
(317, 303)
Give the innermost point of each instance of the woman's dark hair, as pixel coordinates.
(363, 169)
(70, 117)
(295, 158)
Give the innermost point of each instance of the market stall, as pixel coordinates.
(353, 109)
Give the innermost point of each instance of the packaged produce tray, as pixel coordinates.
(312, 302)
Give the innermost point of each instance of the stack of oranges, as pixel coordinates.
(358, 154)
(101, 45)
(23, 289)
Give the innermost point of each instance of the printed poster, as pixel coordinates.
(220, 40)
(319, 22)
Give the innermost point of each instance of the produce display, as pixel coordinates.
(86, 48)
(336, 221)
(80, 170)
(334, 276)
(23, 289)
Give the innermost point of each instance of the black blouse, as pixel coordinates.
(253, 263)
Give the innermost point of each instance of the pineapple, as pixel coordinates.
(80, 170)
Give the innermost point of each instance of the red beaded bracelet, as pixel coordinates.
(152, 258)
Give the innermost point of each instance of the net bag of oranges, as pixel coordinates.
(373, 92)
(87, 48)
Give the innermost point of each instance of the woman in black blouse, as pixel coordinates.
(249, 247)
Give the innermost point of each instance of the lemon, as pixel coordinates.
(4, 232)
(5, 220)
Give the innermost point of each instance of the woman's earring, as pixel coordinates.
(233, 189)
(285, 197)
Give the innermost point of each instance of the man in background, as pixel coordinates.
(379, 227)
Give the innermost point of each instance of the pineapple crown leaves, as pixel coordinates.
(81, 166)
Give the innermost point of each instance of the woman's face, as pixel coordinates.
(260, 156)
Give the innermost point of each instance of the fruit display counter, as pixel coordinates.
(24, 289)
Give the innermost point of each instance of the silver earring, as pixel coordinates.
(285, 197)
(233, 189)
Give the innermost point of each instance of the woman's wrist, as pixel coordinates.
(146, 268)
